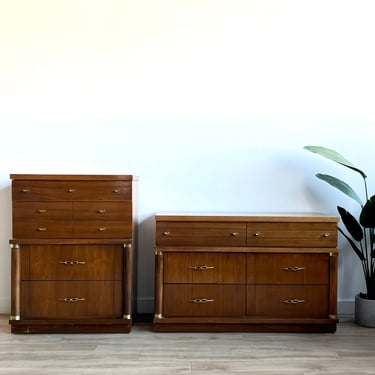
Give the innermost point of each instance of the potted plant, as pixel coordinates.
(359, 232)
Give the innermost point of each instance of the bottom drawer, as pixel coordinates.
(288, 301)
(71, 299)
(198, 300)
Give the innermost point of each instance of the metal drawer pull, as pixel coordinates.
(42, 229)
(326, 235)
(293, 301)
(71, 299)
(166, 233)
(102, 211)
(293, 269)
(25, 190)
(102, 229)
(234, 234)
(116, 190)
(41, 211)
(257, 234)
(201, 268)
(201, 300)
(71, 262)
(71, 190)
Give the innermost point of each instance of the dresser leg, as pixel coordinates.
(158, 285)
(16, 283)
(128, 281)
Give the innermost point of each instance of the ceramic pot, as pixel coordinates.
(364, 314)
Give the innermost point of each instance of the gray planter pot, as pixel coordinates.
(364, 311)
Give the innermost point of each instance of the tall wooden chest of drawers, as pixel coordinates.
(223, 272)
(73, 253)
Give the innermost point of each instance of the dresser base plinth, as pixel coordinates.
(76, 326)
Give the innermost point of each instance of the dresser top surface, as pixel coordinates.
(245, 216)
(74, 177)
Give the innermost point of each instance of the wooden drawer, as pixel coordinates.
(102, 211)
(71, 190)
(74, 262)
(192, 300)
(102, 229)
(205, 268)
(289, 269)
(200, 234)
(71, 299)
(41, 211)
(292, 234)
(42, 229)
(288, 301)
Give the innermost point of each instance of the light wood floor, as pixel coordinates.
(351, 350)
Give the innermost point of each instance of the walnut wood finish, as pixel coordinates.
(74, 238)
(251, 273)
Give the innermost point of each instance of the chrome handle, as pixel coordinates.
(293, 301)
(257, 234)
(201, 300)
(71, 190)
(71, 262)
(25, 190)
(292, 269)
(166, 233)
(71, 299)
(201, 268)
(102, 211)
(42, 229)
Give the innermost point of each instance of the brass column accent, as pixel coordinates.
(128, 278)
(16, 283)
(158, 284)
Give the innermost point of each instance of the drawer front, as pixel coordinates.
(41, 211)
(71, 190)
(288, 301)
(42, 229)
(71, 299)
(192, 300)
(206, 268)
(292, 234)
(75, 262)
(102, 211)
(289, 269)
(200, 234)
(102, 229)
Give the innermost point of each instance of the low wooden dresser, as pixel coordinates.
(239, 272)
(73, 253)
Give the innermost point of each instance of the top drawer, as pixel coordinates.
(200, 234)
(305, 234)
(24, 190)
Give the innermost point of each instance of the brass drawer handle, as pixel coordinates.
(102, 229)
(201, 300)
(234, 234)
(42, 229)
(293, 301)
(201, 268)
(71, 190)
(25, 190)
(257, 234)
(71, 262)
(102, 211)
(292, 269)
(326, 235)
(41, 211)
(71, 299)
(115, 191)
(166, 233)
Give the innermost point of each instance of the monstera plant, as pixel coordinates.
(359, 231)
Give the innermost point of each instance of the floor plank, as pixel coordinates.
(351, 350)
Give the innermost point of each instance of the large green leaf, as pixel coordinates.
(353, 245)
(340, 185)
(367, 217)
(351, 224)
(334, 156)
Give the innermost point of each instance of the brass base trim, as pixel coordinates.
(128, 316)
(158, 316)
(15, 317)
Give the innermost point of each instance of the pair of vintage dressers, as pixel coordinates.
(74, 248)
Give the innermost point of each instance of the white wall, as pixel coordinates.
(209, 102)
